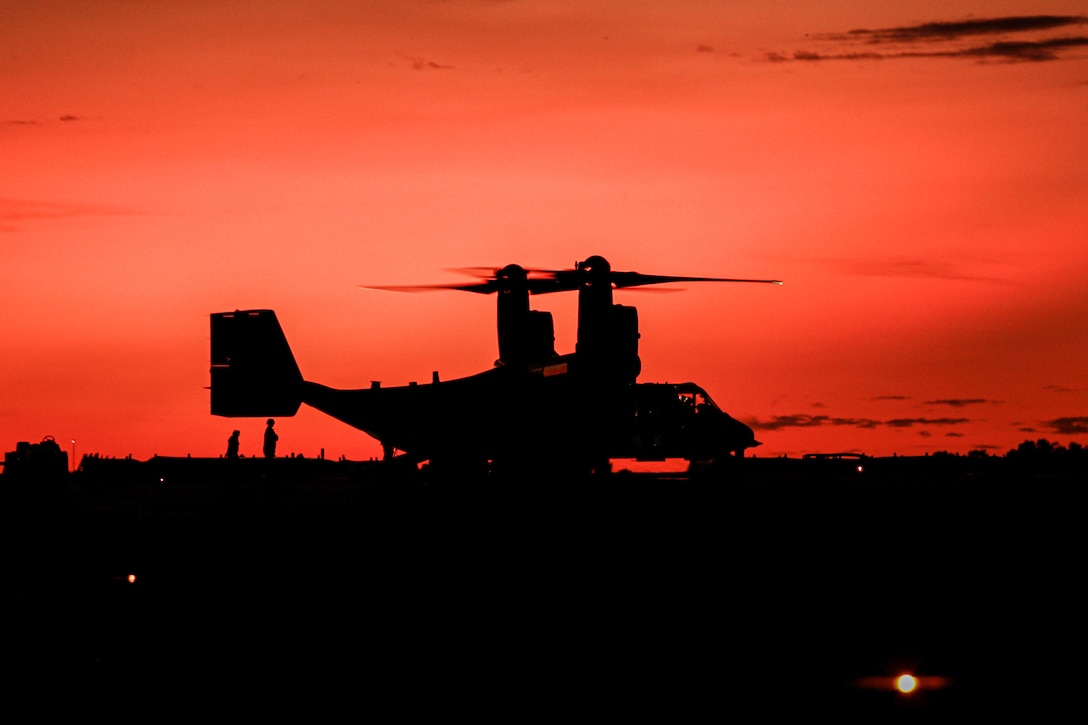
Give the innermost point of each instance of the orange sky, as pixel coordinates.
(920, 188)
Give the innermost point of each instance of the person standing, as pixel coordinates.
(232, 444)
(270, 439)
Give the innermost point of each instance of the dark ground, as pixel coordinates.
(774, 592)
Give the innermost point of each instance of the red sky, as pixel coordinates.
(920, 187)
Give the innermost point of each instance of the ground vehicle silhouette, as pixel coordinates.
(534, 410)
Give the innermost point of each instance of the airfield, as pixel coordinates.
(770, 586)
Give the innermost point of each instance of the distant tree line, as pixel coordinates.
(1040, 452)
(1043, 449)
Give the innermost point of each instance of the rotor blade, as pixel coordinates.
(486, 287)
(565, 280)
(481, 272)
(483, 288)
(545, 281)
(655, 290)
(635, 279)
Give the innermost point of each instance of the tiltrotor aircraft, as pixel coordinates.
(535, 409)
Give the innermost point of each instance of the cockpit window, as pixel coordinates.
(695, 400)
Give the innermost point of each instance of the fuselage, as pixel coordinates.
(536, 412)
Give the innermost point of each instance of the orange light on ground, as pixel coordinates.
(131, 578)
(906, 684)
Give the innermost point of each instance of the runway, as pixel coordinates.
(626, 594)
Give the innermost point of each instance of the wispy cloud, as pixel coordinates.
(910, 422)
(66, 118)
(804, 420)
(952, 30)
(961, 402)
(418, 63)
(912, 267)
(1021, 51)
(955, 39)
(16, 212)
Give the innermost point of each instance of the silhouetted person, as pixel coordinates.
(270, 439)
(232, 444)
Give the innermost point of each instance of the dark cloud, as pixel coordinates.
(953, 435)
(1039, 50)
(704, 48)
(807, 420)
(1069, 426)
(21, 122)
(892, 397)
(951, 40)
(953, 30)
(1026, 429)
(1058, 388)
(1011, 52)
(68, 117)
(909, 422)
(803, 420)
(810, 56)
(789, 421)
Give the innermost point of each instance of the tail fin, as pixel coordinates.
(253, 370)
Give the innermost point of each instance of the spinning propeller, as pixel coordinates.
(589, 273)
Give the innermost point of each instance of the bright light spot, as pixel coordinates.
(860, 469)
(131, 578)
(905, 684)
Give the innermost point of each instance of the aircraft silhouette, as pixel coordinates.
(534, 410)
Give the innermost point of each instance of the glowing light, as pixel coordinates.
(560, 369)
(131, 578)
(860, 469)
(906, 684)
